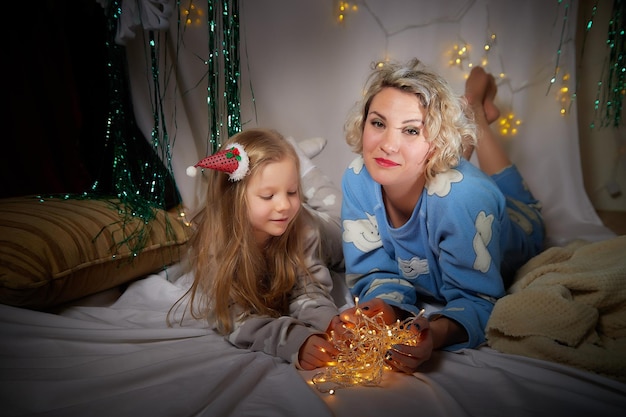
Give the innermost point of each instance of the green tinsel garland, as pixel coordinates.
(611, 90)
(140, 179)
(223, 95)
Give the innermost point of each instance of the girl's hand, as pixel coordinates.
(316, 352)
(370, 309)
(407, 359)
(336, 328)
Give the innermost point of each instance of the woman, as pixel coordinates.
(422, 226)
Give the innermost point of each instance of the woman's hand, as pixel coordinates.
(370, 309)
(316, 352)
(430, 335)
(406, 358)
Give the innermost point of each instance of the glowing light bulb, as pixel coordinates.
(508, 125)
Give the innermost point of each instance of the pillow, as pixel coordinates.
(55, 250)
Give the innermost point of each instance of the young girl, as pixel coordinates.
(259, 276)
(423, 227)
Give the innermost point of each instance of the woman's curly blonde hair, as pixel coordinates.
(448, 120)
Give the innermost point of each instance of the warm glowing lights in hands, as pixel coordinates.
(362, 347)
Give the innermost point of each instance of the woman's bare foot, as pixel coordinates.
(480, 91)
(492, 112)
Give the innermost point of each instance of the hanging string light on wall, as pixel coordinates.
(563, 96)
(343, 8)
(508, 125)
(459, 54)
(192, 15)
(611, 88)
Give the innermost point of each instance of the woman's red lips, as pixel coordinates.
(385, 162)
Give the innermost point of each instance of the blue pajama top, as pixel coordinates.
(466, 231)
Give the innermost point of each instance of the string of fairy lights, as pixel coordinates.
(608, 102)
(362, 348)
(459, 53)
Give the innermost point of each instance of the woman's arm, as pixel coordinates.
(370, 270)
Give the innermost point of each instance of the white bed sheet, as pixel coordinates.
(484, 382)
(121, 359)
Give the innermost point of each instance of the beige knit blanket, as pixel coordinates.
(568, 305)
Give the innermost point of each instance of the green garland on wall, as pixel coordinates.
(141, 180)
(141, 173)
(608, 104)
(223, 92)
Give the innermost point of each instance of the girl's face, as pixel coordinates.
(273, 199)
(395, 149)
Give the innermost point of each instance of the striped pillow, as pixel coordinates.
(56, 250)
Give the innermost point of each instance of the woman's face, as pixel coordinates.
(273, 199)
(395, 149)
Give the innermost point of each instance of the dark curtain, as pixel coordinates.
(57, 99)
(58, 103)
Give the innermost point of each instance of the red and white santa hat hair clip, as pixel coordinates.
(232, 160)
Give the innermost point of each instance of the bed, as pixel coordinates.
(83, 332)
(82, 317)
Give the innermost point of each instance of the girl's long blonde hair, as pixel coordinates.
(228, 266)
(449, 128)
